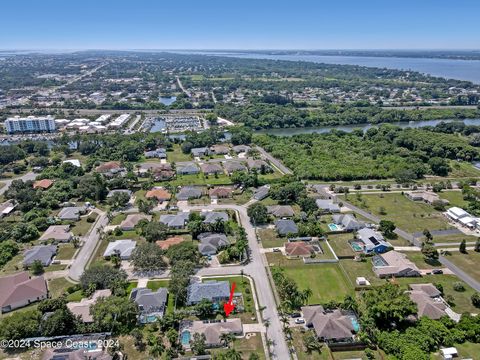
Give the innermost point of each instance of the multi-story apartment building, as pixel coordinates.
(30, 124)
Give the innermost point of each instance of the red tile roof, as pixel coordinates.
(298, 248)
(159, 194)
(43, 184)
(19, 287)
(165, 244)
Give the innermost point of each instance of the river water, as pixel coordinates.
(364, 127)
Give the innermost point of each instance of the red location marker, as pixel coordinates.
(229, 306)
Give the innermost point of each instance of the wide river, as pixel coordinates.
(350, 128)
(452, 69)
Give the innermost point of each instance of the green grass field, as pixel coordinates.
(81, 227)
(176, 155)
(270, 239)
(326, 281)
(470, 263)
(454, 197)
(419, 260)
(65, 252)
(406, 214)
(340, 245)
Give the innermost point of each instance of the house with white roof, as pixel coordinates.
(123, 248)
(462, 217)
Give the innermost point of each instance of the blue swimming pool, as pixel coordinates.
(355, 324)
(185, 338)
(356, 246)
(333, 227)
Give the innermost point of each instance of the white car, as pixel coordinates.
(299, 321)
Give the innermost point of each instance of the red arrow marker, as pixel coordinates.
(228, 307)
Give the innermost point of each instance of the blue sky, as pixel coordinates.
(240, 24)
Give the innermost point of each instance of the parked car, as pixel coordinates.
(300, 321)
(295, 315)
(437, 271)
(276, 250)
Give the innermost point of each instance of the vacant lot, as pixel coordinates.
(454, 197)
(419, 260)
(470, 263)
(326, 281)
(65, 252)
(270, 239)
(406, 214)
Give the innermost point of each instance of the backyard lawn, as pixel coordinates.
(406, 214)
(356, 269)
(176, 155)
(418, 259)
(58, 286)
(470, 263)
(340, 245)
(246, 346)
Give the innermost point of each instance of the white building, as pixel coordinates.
(30, 124)
(461, 216)
(119, 121)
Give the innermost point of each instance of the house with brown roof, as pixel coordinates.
(159, 194)
(43, 184)
(212, 330)
(331, 326)
(258, 164)
(82, 307)
(165, 244)
(232, 166)
(57, 233)
(298, 249)
(151, 167)
(132, 220)
(20, 290)
(163, 175)
(425, 196)
(220, 193)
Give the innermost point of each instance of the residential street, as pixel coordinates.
(90, 242)
(278, 164)
(7, 182)
(256, 269)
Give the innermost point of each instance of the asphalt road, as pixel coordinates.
(256, 268)
(7, 182)
(274, 161)
(90, 241)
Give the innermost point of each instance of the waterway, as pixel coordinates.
(364, 127)
(447, 68)
(167, 100)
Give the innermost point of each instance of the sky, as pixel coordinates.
(239, 24)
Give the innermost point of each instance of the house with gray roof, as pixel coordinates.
(212, 330)
(258, 164)
(261, 192)
(151, 304)
(232, 166)
(211, 242)
(59, 233)
(285, 227)
(241, 148)
(175, 221)
(219, 149)
(111, 193)
(327, 206)
(211, 217)
(429, 302)
(42, 253)
(71, 213)
(212, 290)
(281, 211)
(347, 222)
(123, 248)
(211, 168)
(331, 326)
(200, 152)
(159, 153)
(372, 241)
(132, 220)
(7, 207)
(189, 192)
(187, 169)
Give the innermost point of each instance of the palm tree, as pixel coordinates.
(227, 338)
(306, 294)
(156, 347)
(233, 354)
